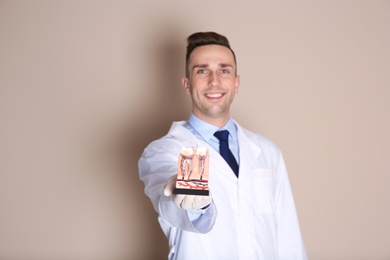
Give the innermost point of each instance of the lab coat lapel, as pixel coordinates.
(249, 153)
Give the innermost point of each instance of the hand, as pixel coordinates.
(185, 201)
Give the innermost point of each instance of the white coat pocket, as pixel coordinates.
(263, 186)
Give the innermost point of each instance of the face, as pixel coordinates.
(212, 83)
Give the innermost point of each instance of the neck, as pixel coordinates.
(216, 121)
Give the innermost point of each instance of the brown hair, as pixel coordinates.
(205, 38)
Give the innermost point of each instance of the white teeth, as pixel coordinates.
(216, 95)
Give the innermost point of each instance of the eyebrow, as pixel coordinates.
(221, 65)
(224, 65)
(199, 66)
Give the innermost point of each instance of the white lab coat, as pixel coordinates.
(252, 217)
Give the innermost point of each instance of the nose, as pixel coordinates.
(213, 79)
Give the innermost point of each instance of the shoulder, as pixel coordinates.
(166, 143)
(256, 137)
(177, 137)
(268, 153)
(261, 141)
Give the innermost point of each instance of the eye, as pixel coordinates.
(201, 71)
(225, 71)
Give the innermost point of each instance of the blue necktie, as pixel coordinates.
(224, 150)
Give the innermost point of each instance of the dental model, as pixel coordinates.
(193, 171)
(186, 164)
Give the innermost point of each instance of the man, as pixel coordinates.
(250, 212)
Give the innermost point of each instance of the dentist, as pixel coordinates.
(250, 212)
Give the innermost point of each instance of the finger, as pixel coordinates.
(188, 202)
(202, 201)
(170, 186)
(178, 199)
(195, 202)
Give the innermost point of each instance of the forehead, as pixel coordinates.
(211, 53)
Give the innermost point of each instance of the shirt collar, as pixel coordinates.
(207, 130)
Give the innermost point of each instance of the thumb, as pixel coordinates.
(171, 184)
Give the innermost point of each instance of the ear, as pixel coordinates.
(186, 85)
(237, 83)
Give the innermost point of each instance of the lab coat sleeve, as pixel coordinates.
(156, 165)
(290, 242)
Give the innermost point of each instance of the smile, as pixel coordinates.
(214, 95)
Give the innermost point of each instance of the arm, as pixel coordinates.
(158, 165)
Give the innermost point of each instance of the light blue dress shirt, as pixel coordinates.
(205, 131)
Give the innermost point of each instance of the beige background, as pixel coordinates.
(86, 85)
